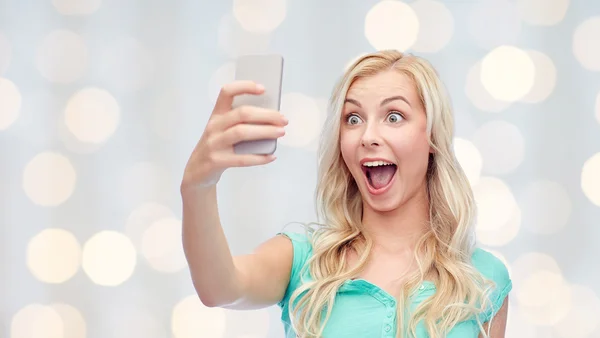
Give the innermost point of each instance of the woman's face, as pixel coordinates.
(383, 139)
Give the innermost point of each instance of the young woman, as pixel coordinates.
(394, 254)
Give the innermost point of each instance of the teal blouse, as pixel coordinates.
(362, 309)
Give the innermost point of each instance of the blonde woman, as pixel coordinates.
(394, 252)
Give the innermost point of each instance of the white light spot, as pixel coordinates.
(145, 182)
(92, 115)
(109, 258)
(142, 218)
(546, 207)
(542, 12)
(535, 301)
(586, 44)
(10, 104)
(73, 322)
(234, 40)
(545, 78)
(76, 7)
(161, 246)
(305, 119)
(62, 57)
(479, 96)
(36, 321)
(590, 179)
(582, 320)
(493, 23)
(53, 255)
(222, 76)
(436, 25)
(501, 145)
(498, 215)
(391, 24)
(469, 158)
(49, 179)
(190, 317)
(5, 53)
(126, 65)
(507, 73)
(259, 16)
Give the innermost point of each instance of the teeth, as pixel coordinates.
(376, 163)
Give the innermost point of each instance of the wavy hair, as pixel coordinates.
(443, 251)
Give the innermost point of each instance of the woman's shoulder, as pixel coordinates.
(301, 242)
(494, 269)
(490, 266)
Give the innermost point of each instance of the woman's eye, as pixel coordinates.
(353, 119)
(395, 117)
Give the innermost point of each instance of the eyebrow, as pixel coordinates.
(385, 101)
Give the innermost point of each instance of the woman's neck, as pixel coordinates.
(400, 229)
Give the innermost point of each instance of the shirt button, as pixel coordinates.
(421, 287)
(388, 328)
(390, 314)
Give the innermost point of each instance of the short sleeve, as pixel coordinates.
(302, 251)
(495, 270)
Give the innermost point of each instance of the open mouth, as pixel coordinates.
(379, 174)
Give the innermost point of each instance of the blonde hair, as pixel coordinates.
(444, 250)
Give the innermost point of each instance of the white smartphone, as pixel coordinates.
(266, 70)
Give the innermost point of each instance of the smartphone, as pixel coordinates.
(266, 70)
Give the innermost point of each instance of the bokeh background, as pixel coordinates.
(101, 102)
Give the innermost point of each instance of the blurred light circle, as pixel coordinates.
(545, 78)
(590, 179)
(49, 179)
(10, 105)
(507, 73)
(479, 96)
(498, 215)
(391, 24)
(535, 302)
(74, 325)
(109, 258)
(305, 119)
(53, 255)
(92, 115)
(37, 321)
(161, 245)
(235, 41)
(190, 317)
(142, 217)
(586, 43)
(469, 158)
(259, 16)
